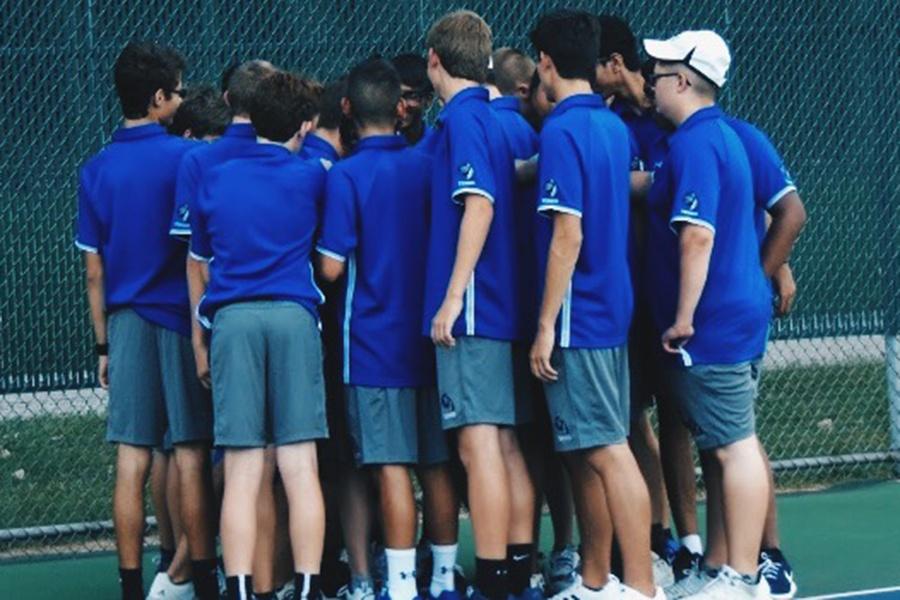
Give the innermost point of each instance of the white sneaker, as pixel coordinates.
(632, 594)
(285, 592)
(578, 591)
(730, 585)
(696, 580)
(536, 581)
(164, 589)
(562, 570)
(662, 571)
(363, 591)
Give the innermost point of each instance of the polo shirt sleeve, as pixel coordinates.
(470, 159)
(771, 179)
(200, 245)
(339, 237)
(187, 183)
(89, 228)
(696, 184)
(559, 174)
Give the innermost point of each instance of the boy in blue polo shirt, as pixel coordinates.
(254, 224)
(711, 300)
(135, 274)
(580, 350)
(470, 306)
(417, 95)
(376, 226)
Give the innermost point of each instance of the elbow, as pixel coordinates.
(697, 239)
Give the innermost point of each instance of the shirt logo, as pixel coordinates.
(787, 175)
(551, 191)
(184, 213)
(467, 172)
(326, 164)
(691, 202)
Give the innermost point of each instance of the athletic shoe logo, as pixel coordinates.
(691, 202)
(448, 408)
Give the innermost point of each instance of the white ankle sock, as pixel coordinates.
(442, 576)
(693, 543)
(401, 578)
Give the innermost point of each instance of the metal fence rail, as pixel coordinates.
(819, 77)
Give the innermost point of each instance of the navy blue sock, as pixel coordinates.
(132, 583)
(518, 564)
(491, 578)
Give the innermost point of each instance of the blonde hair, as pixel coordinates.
(462, 40)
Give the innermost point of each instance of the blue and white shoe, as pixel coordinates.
(562, 570)
(776, 570)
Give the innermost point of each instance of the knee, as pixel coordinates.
(191, 459)
(133, 463)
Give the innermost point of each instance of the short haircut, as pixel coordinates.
(243, 81)
(330, 111)
(571, 39)
(373, 88)
(281, 103)
(141, 69)
(413, 71)
(512, 68)
(203, 111)
(462, 40)
(616, 37)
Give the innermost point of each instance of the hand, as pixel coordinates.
(540, 354)
(785, 290)
(201, 359)
(443, 321)
(103, 371)
(677, 336)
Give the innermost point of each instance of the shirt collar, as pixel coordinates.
(506, 103)
(321, 146)
(586, 100)
(704, 114)
(126, 134)
(271, 150)
(382, 142)
(240, 130)
(476, 93)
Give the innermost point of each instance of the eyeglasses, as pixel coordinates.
(654, 77)
(180, 93)
(416, 95)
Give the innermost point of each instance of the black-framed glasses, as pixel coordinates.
(654, 77)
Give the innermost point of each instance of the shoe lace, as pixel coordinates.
(563, 560)
(768, 568)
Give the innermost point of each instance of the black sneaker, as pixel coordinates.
(776, 570)
(685, 563)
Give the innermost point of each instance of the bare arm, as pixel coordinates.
(331, 269)
(565, 246)
(527, 170)
(478, 213)
(93, 264)
(696, 244)
(640, 185)
(788, 219)
(197, 280)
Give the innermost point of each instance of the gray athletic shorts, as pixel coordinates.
(153, 384)
(383, 424)
(715, 401)
(475, 382)
(528, 388)
(433, 449)
(266, 365)
(589, 403)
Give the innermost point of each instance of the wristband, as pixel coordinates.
(101, 349)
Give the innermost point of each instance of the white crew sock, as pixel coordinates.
(401, 577)
(442, 576)
(693, 543)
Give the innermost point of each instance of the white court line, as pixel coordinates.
(857, 594)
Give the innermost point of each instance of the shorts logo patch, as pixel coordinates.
(691, 202)
(448, 408)
(563, 433)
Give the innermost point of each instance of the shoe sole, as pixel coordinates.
(789, 596)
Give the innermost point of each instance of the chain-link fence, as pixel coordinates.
(819, 77)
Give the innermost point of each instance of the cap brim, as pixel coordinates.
(663, 50)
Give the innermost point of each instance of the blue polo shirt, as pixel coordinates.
(523, 142)
(426, 143)
(471, 156)
(771, 179)
(584, 170)
(125, 197)
(255, 224)
(235, 142)
(376, 219)
(315, 147)
(650, 138)
(706, 181)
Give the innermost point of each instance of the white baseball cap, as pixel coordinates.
(704, 51)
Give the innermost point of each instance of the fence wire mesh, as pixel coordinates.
(819, 77)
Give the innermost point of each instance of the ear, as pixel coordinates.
(225, 98)
(158, 98)
(618, 63)
(401, 110)
(187, 134)
(433, 59)
(305, 128)
(346, 107)
(522, 90)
